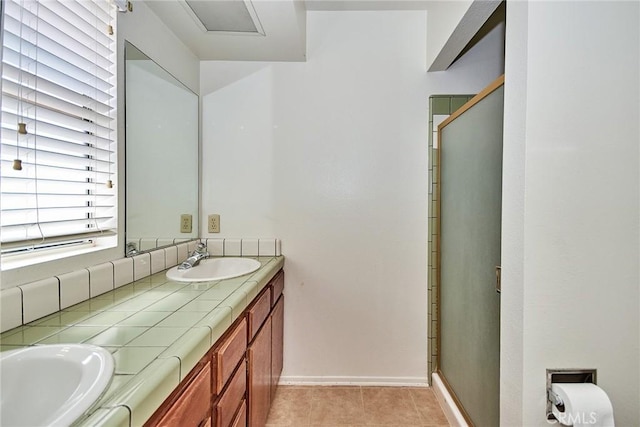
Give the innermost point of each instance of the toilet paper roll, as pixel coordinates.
(584, 405)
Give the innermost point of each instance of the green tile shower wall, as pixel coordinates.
(439, 105)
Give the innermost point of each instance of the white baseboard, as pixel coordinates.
(355, 381)
(451, 411)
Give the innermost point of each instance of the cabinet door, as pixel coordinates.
(193, 407)
(277, 341)
(259, 386)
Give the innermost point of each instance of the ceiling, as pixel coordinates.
(283, 23)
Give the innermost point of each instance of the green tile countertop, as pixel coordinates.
(156, 329)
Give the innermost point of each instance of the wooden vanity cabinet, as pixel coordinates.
(259, 358)
(259, 382)
(234, 384)
(277, 330)
(277, 287)
(259, 311)
(190, 405)
(277, 344)
(227, 354)
(230, 368)
(264, 354)
(241, 417)
(232, 398)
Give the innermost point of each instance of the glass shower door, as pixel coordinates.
(470, 147)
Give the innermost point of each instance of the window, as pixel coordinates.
(58, 128)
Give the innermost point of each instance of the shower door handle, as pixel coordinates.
(498, 279)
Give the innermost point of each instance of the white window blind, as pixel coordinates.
(59, 80)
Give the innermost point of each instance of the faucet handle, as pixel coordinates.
(131, 249)
(201, 250)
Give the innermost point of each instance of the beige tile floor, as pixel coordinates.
(300, 406)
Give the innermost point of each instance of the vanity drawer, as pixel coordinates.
(259, 312)
(234, 394)
(277, 287)
(192, 407)
(227, 355)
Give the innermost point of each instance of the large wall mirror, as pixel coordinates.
(161, 155)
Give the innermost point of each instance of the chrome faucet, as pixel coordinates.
(196, 256)
(130, 249)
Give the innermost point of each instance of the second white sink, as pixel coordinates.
(52, 385)
(214, 269)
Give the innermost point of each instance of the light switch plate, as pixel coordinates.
(185, 223)
(214, 223)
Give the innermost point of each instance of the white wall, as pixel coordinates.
(513, 168)
(148, 33)
(475, 70)
(331, 157)
(571, 252)
(444, 17)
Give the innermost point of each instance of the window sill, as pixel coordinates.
(13, 261)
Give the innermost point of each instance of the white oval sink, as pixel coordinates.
(52, 384)
(214, 269)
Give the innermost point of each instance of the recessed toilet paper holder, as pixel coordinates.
(565, 376)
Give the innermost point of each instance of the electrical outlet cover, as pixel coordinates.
(214, 223)
(185, 223)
